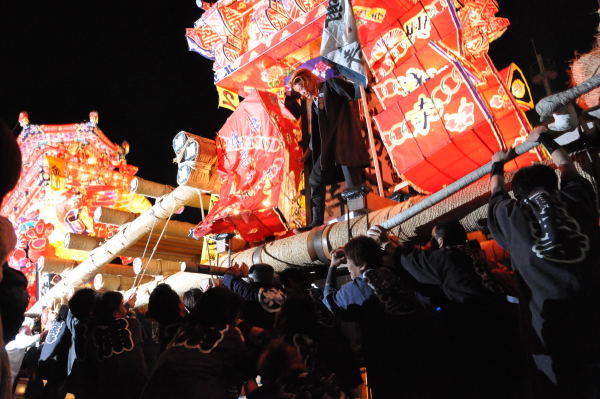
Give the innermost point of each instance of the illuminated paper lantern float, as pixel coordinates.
(259, 162)
(446, 109)
(68, 172)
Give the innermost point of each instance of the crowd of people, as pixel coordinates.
(429, 321)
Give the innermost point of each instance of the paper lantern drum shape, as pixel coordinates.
(196, 158)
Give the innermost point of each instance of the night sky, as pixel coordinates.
(129, 61)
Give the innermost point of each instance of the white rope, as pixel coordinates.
(146, 247)
(143, 272)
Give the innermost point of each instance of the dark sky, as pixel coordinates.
(129, 61)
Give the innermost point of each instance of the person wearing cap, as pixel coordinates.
(331, 134)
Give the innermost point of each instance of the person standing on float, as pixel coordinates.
(331, 134)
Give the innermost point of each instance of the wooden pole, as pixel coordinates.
(149, 188)
(116, 217)
(156, 267)
(50, 264)
(123, 239)
(152, 189)
(363, 96)
(204, 269)
(169, 247)
(81, 242)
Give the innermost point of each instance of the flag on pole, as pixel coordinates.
(339, 43)
(228, 99)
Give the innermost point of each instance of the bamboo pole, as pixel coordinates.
(122, 240)
(451, 189)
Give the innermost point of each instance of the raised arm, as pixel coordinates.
(497, 173)
(559, 156)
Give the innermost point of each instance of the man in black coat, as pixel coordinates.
(552, 234)
(331, 133)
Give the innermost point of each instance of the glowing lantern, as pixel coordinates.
(260, 165)
(68, 171)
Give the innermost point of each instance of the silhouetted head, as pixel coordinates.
(297, 315)
(164, 305)
(190, 297)
(534, 177)
(261, 273)
(217, 307)
(294, 280)
(82, 303)
(109, 306)
(449, 233)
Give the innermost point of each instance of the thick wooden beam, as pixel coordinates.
(156, 267)
(117, 217)
(156, 190)
(48, 264)
(169, 247)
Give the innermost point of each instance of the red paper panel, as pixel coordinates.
(259, 162)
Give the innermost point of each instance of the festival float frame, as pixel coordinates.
(68, 171)
(442, 108)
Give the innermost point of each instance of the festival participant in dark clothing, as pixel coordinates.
(207, 358)
(331, 134)
(262, 298)
(553, 237)
(165, 306)
(122, 369)
(81, 362)
(54, 355)
(296, 282)
(285, 375)
(480, 325)
(325, 352)
(386, 313)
